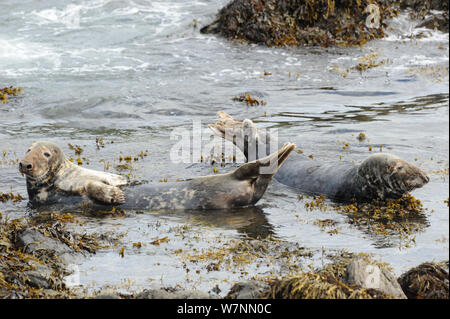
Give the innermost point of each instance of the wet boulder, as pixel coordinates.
(371, 276)
(40, 276)
(32, 241)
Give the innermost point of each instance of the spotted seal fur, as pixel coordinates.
(380, 176)
(52, 179)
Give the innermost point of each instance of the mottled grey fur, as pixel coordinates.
(53, 180)
(380, 176)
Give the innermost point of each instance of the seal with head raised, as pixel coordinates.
(52, 179)
(380, 176)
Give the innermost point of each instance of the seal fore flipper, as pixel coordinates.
(244, 134)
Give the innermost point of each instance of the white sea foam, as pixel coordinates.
(403, 28)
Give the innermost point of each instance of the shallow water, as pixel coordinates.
(134, 71)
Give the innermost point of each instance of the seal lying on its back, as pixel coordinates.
(52, 179)
(380, 176)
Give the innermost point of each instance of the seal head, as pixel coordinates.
(41, 162)
(390, 177)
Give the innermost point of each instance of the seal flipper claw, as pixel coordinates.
(104, 193)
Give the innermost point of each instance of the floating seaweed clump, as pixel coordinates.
(426, 281)
(10, 196)
(367, 62)
(399, 219)
(395, 220)
(389, 209)
(250, 101)
(9, 91)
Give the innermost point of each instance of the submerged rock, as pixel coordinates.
(250, 289)
(371, 276)
(426, 281)
(313, 22)
(172, 293)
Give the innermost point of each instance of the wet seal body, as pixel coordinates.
(380, 176)
(53, 180)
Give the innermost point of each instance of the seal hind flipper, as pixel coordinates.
(226, 125)
(268, 165)
(261, 172)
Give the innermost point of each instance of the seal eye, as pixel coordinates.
(29, 150)
(46, 154)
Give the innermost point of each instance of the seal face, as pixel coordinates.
(390, 176)
(379, 176)
(52, 179)
(41, 162)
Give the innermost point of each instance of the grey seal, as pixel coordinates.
(52, 179)
(380, 176)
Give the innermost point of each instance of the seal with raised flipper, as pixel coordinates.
(52, 179)
(380, 176)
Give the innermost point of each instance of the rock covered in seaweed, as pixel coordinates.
(311, 22)
(331, 282)
(34, 258)
(426, 281)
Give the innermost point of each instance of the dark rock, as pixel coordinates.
(250, 289)
(107, 296)
(371, 276)
(169, 293)
(40, 276)
(436, 22)
(33, 241)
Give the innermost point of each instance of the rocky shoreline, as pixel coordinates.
(35, 254)
(318, 22)
(360, 279)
